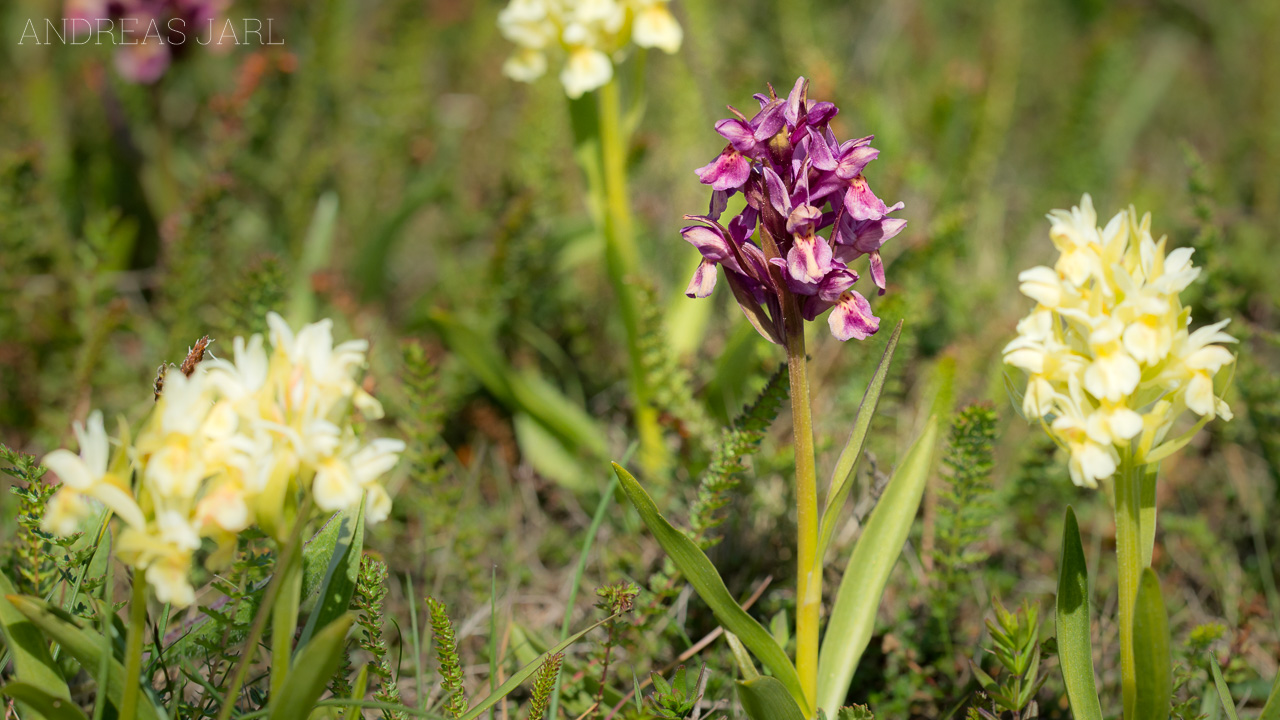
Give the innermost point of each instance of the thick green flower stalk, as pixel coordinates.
(1112, 364)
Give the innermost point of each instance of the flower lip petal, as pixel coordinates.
(852, 318)
(728, 171)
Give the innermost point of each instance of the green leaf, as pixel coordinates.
(1075, 648)
(548, 455)
(32, 663)
(40, 703)
(317, 556)
(524, 391)
(764, 698)
(702, 575)
(1271, 711)
(853, 615)
(525, 673)
(1151, 658)
(340, 575)
(1224, 693)
(842, 475)
(746, 666)
(84, 645)
(307, 681)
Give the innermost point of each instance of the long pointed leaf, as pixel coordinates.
(32, 662)
(842, 475)
(1151, 658)
(1224, 693)
(1271, 711)
(307, 680)
(702, 575)
(1075, 649)
(39, 703)
(854, 614)
(84, 645)
(764, 698)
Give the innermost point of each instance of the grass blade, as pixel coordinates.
(1075, 648)
(1224, 692)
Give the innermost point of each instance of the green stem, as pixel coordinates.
(808, 569)
(133, 647)
(621, 259)
(1130, 562)
(264, 610)
(284, 621)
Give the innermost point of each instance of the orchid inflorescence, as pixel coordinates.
(798, 180)
(228, 447)
(591, 35)
(1108, 349)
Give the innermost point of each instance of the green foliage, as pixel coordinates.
(1015, 638)
(668, 382)
(964, 509)
(367, 602)
(677, 699)
(446, 645)
(737, 444)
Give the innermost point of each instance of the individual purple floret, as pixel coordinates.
(798, 180)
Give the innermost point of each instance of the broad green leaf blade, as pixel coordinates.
(40, 703)
(86, 646)
(764, 698)
(32, 663)
(1271, 711)
(702, 575)
(842, 476)
(1075, 648)
(1151, 658)
(1224, 693)
(525, 673)
(340, 575)
(307, 680)
(853, 615)
(746, 666)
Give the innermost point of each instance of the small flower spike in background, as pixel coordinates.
(798, 180)
(587, 36)
(1112, 363)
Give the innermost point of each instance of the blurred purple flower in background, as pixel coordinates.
(153, 33)
(798, 180)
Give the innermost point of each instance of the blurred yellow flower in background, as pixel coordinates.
(590, 36)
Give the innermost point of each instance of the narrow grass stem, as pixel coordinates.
(622, 258)
(808, 570)
(133, 646)
(1130, 562)
(264, 610)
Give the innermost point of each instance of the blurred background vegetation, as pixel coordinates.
(377, 168)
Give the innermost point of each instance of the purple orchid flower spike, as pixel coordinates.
(799, 180)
